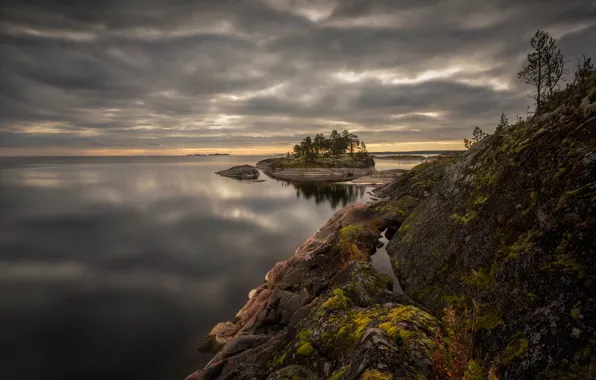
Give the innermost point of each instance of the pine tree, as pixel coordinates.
(546, 66)
(478, 135)
(503, 123)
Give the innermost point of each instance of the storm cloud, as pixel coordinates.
(255, 76)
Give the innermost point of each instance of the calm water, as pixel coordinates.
(117, 267)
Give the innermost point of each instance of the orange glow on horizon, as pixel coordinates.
(254, 151)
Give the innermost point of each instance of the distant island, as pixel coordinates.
(417, 157)
(414, 157)
(206, 155)
(421, 152)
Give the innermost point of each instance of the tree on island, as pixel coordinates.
(335, 145)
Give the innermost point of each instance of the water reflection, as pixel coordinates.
(337, 196)
(115, 268)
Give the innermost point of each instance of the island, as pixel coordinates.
(206, 155)
(337, 158)
(408, 157)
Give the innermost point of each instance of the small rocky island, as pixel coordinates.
(337, 158)
(495, 250)
(240, 172)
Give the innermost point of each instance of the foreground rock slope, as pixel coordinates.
(502, 237)
(510, 227)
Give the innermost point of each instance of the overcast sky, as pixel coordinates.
(173, 77)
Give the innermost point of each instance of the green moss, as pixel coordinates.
(306, 349)
(568, 265)
(464, 219)
(336, 302)
(481, 279)
(373, 374)
(531, 204)
(514, 350)
(351, 237)
(474, 371)
(282, 358)
(523, 244)
(488, 320)
(480, 200)
(337, 375)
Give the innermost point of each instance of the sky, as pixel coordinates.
(156, 77)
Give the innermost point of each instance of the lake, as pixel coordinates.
(117, 267)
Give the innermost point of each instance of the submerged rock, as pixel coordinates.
(240, 172)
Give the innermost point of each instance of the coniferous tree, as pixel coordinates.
(318, 143)
(503, 123)
(582, 72)
(478, 135)
(545, 67)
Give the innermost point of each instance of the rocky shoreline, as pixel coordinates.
(495, 250)
(324, 301)
(313, 174)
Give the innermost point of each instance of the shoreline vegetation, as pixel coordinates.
(473, 239)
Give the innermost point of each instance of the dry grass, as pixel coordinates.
(456, 360)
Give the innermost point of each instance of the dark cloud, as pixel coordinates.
(205, 74)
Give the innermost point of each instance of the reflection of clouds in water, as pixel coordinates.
(41, 272)
(48, 177)
(143, 258)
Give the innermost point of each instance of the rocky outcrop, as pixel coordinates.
(320, 174)
(326, 313)
(508, 230)
(267, 165)
(240, 172)
(379, 177)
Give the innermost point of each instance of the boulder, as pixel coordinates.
(240, 172)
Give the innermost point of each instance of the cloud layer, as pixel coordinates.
(158, 76)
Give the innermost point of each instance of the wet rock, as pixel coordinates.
(240, 172)
(267, 165)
